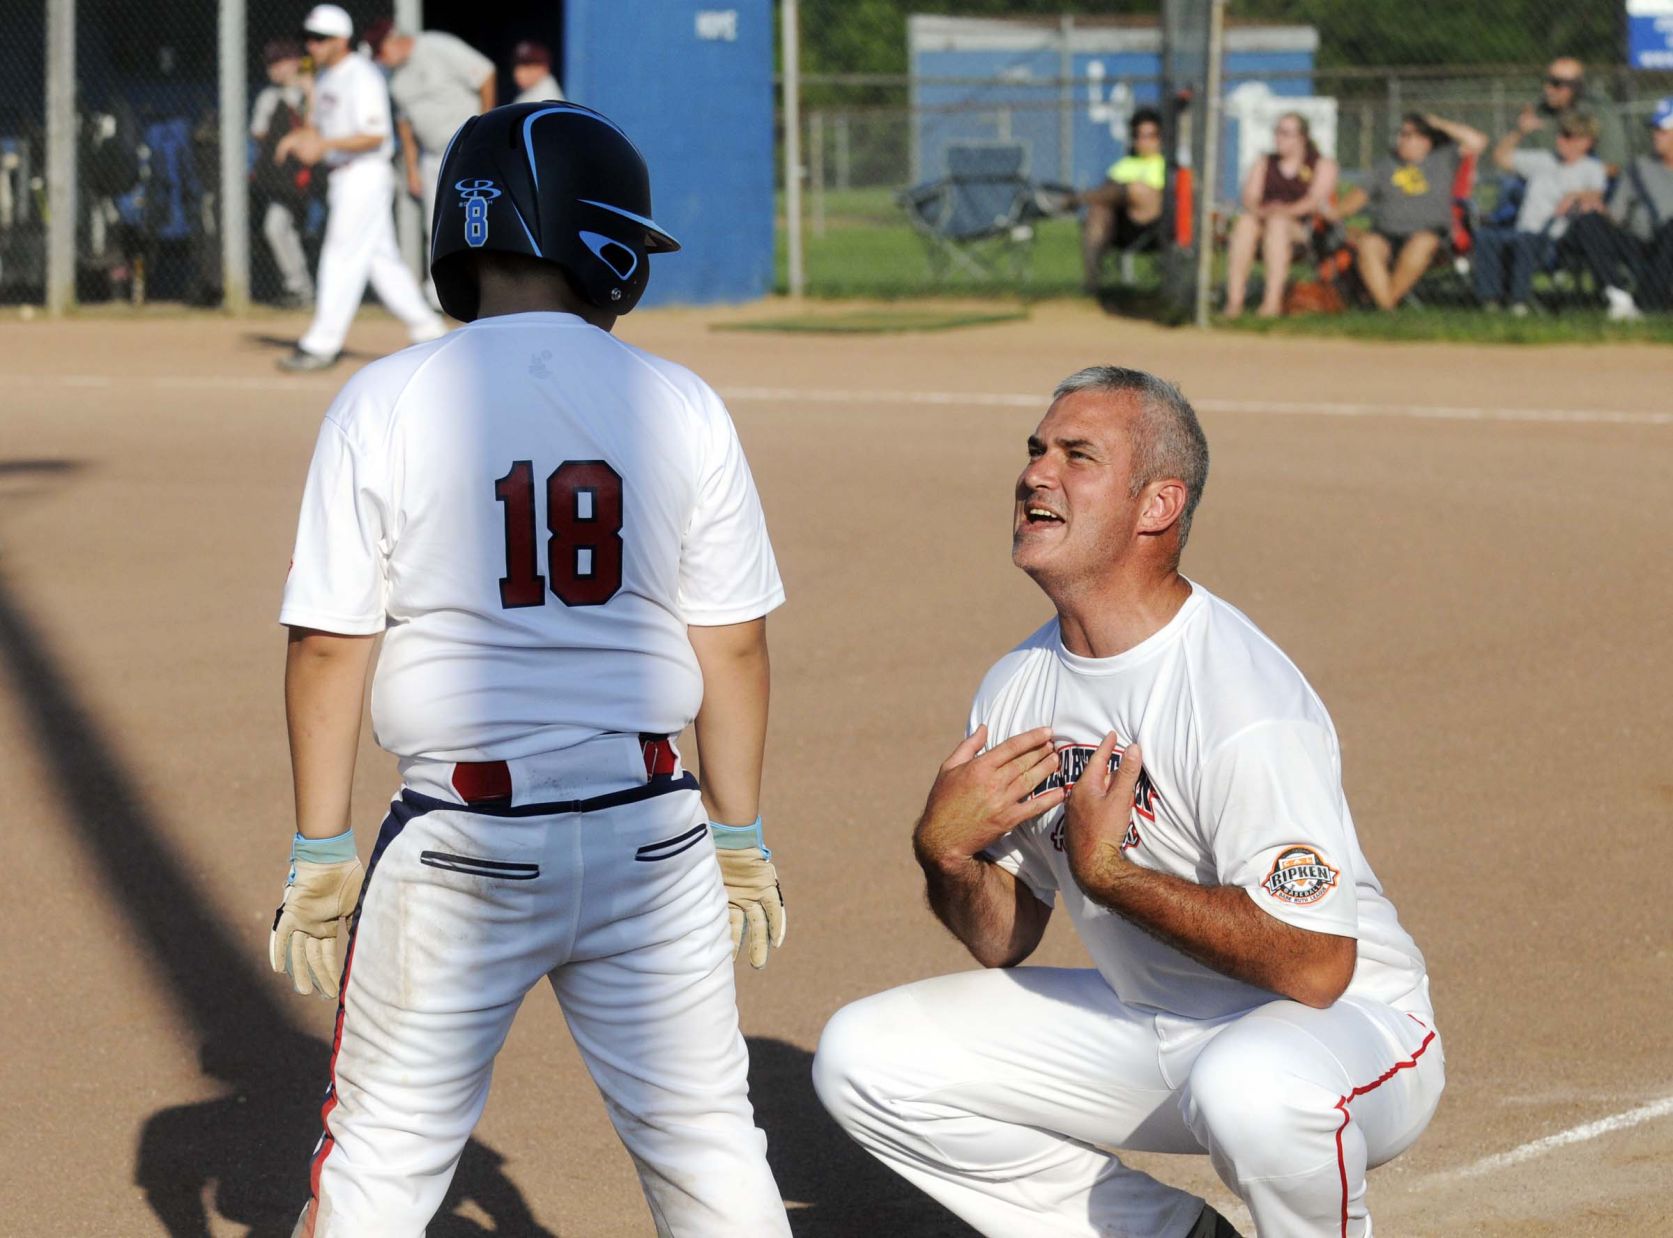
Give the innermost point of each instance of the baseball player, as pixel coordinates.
(438, 82)
(531, 70)
(559, 541)
(1252, 993)
(282, 106)
(350, 135)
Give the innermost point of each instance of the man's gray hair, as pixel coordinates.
(1167, 440)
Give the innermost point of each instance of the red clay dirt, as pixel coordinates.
(1481, 597)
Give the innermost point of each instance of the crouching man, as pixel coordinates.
(1253, 996)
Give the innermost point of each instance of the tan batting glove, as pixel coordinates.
(310, 928)
(755, 903)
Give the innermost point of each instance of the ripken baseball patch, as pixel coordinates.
(1300, 875)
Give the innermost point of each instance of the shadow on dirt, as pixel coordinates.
(834, 1189)
(245, 1155)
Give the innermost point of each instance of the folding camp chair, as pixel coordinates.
(980, 216)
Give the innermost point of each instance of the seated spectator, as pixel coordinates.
(1129, 200)
(531, 68)
(1410, 197)
(1558, 185)
(1629, 250)
(1565, 89)
(1283, 195)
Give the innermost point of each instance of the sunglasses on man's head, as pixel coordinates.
(1570, 82)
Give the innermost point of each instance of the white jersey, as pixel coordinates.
(533, 512)
(1241, 786)
(351, 98)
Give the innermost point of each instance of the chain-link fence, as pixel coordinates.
(939, 136)
(146, 131)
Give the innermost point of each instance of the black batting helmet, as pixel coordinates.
(555, 181)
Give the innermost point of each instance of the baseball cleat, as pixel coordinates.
(302, 361)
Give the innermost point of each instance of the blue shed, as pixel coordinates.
(692, 82)
(1064, 88)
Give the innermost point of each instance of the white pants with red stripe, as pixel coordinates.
(623, 911)
(1005, 1094)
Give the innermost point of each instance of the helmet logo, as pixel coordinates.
(621, 260)
(474, 195)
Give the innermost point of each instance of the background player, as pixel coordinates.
(1253, 994)
(282, 106)
(438, 82)
(351, 135)
(559, 538)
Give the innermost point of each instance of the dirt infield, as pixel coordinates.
(1466, 550)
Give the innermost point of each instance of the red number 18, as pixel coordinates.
(584, 516)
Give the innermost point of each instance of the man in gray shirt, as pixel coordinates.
(1630, 248)
(438, 82)
(1559, 186)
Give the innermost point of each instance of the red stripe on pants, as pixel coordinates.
(1341, 1161)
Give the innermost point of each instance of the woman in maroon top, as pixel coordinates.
(1282, 194)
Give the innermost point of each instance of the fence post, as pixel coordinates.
(816, 168)
(61, 155)
(1208, 176)
(790, 53)
(1066, 101)
(235, 185)
(408, 16)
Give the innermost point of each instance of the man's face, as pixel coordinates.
(1561, 88)
(1075, 515)
(1662, 141)
(526, 75)
(394, 51)
(325, 50)
(283, 72)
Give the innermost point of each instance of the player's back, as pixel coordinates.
(549, 509)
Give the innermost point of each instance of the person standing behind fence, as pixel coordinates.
(1565, 89)
(1558, 185)
(1410, 197)
(531, 69)
(351, 134)
(1283, 194)
(282, 106)
(438, 82)
(1630, 249)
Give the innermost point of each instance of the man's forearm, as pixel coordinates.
(325, 683)
(990, 911)
(1222, 928)
(354, 144)
(489, 91)
(732, 723)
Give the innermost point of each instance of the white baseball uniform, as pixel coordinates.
(350, 98)
(1004, 1093)
(532, 512)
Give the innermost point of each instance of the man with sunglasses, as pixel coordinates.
(351, 133)
(1565, 89)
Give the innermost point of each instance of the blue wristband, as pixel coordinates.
(739, 837)
(321, 850)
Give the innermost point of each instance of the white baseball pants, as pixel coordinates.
(429, 170)
(623, 912)
(359, 246)
(284, 238)
(1004, 1095)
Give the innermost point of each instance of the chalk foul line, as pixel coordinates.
(1562, 1139)
(1427, 412)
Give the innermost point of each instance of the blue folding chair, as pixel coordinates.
(980, 216)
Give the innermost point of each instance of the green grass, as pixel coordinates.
(869, 250)
(882, 320)
(1463, 325)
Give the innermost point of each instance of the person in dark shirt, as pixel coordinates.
(1410, 198)
(1283, 193)
(1629, 247)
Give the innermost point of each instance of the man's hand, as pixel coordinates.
(305, 144)
(1528, 120)
(415, 183)
(310, 928)
(1096, 820)
(977, 800)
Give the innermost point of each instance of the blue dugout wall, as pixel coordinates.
(996, 79)
(692, 83)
